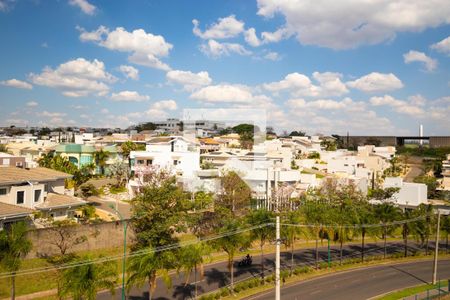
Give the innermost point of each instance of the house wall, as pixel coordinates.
(11, 194)
(99, 236)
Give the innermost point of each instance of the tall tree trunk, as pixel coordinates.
(362, 244)
(292, 256)
(232, 275)
(13, 286)
(195, 281)
(385, 238)
(317, 251)
(262, 261)
(150, 288)
(405, 233)
(341, 241)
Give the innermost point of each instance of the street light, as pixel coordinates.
(125, 226)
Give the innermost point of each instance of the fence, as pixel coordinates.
(436, 292)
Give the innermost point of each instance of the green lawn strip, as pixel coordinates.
(411, 291)
(309, 273)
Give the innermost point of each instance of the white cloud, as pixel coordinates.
(104, 111)
(225, 93)
(320, 104)
(272, 56)
(216, 49)
(76, 78)
(84, 5)
(400, 106)
(5, 5)
(225, 28)
(189, 80)
(442, 46)
(146, 48)
(51, 114)
(32, 104)
(251, 38)
(297, 84)
(276, 36)
(348, 23)
(412, 56)
(129, 72)
(129, 96)
(376, 82)
(164, 105)
(17, 84)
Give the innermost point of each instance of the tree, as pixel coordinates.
(445, 227)
(100, 158)
(431, 183)
(262, 234)
(366, 215)
(230, 243)
(127, 147)
(159, 212)
(235, 194)
(290, 233)
(3, 148)
(85, 280)
(297, 133)
(64, 235)
(192, 258)
(58, 163)
(120, 171)
(422, 229)
(373, 141)
(386, 212)
(14, 246)
(406, 229)
(143, 267)
(329, 145)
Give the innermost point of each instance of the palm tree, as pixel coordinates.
(14, 246)
(290, 233)
(445, 226)
(263, 233)
(422, 229)
(230, 243)
(190, 258)
(143, 268)
(406, 229)
(100, 158)
(366, 216)
(84, 281)
(386, 212)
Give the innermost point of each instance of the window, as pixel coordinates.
(176, 162)
(140, 162)
(37, 195)
(6, 161)
(149, 162)
(20, 197)
(2, 191)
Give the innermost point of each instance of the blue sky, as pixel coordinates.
(320, 66)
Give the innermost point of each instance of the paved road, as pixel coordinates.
(415, 164)
(103, 203)
(217, 275)
(361, 284)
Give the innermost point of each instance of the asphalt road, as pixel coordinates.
(361, 284)
(104, 204)
(217, 275)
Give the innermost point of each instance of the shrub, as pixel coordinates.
(88, 190)
(224, 292)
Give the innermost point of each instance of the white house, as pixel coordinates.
(410, 194)
(174, 153)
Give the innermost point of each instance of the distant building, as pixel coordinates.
(410, 194)
(446, 174)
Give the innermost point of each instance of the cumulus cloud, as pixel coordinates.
(76, 78)
(225, 93)
(224, 28)
(6, 5)
(17, 84)
(329, 84)
(129, 96)
(129, 72)
(32, 104)
(349, 24)
(84, 5)
(251, 38)
(442, 46)
(145, 48)
(189, 80)
(416, 56)
(215, 49)
(165, 105)
(376, 82)
(400, 106)
(276, 36)
(51, 114)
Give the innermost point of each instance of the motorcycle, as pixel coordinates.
(246, 261)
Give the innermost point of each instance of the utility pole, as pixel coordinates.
(436, 248)
(277, 260)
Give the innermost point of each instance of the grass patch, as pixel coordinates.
(411, 291)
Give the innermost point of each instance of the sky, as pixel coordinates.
(378, 67)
